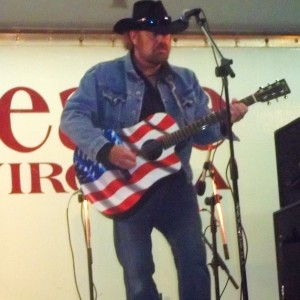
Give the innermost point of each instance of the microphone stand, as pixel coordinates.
(224, 70)
(214, 203)
(87, 229)
(221, 263)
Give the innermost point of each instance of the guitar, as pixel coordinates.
(114, 191)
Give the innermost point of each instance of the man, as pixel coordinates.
(119, 94)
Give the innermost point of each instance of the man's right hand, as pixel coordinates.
(122, 157)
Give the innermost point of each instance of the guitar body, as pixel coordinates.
(113, 191)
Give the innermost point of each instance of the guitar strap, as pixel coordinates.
(153, 126)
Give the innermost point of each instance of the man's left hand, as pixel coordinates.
(237, 110)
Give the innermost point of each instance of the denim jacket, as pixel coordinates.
(110, 95)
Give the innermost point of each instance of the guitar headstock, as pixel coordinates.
(273, 91)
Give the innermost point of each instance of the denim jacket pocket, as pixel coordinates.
(189, 106)
(113, 107)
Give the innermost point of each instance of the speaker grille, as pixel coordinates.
(287, 143)
(287, 238)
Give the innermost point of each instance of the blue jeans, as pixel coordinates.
(171, 207)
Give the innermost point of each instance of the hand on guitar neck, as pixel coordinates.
(237, 110)
(149, 153)
(124, 158)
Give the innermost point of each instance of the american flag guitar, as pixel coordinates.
(113, 191)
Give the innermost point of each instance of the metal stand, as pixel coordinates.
(220, 262)
(87, 230)
(215, 262)
(214, 203)
(224, 71)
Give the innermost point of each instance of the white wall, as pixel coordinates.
(35, 257)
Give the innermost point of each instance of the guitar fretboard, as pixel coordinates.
(184, 133)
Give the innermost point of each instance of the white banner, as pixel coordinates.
(37, 180)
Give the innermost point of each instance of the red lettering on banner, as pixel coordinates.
(217, 101)
(71, 178)
(38, 106)
(36, 178)
(15, 179)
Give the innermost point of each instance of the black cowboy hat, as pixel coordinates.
(150, 16)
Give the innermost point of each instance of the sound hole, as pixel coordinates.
(152, 149)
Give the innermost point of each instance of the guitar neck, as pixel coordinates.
(187, 131)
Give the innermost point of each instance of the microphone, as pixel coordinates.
(200, 183)
(188, 13)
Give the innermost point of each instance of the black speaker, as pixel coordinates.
(287, 239)
(287, 145)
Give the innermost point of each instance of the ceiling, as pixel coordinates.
(224, 17)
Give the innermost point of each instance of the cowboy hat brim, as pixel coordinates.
(128, 24)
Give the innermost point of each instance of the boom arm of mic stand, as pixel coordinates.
(225, 68)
